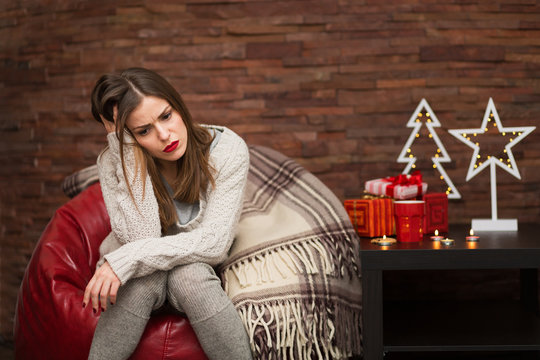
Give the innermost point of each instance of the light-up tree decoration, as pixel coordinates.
(423, 115)
(504, 159)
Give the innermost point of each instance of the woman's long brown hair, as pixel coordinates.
(126, 91)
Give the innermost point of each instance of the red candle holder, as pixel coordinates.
(409, 220)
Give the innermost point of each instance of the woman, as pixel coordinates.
(173, 191)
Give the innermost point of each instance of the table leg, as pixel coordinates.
(372, 314)
(529, 288)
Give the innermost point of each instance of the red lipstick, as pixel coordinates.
(171, 146)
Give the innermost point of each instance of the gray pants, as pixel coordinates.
(193, 289)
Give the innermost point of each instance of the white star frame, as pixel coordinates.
(516, 134)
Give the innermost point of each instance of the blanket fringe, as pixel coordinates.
(292, 329)
(300, 328)
(305, 256)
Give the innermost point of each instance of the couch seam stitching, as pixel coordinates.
(165, 345)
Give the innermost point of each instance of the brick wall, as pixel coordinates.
(330, 83)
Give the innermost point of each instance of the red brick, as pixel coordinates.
(318, 61)
(251, 128)
(209, 52)
(272, 50)
(250, 29)
(238, 39)
(386, 98)
(406, 83)
(166, 8)
(340, 82)
(462, 53)
(273, 8)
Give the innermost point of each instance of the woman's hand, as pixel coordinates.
(110, 126)
(102, 287)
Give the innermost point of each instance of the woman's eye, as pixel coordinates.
(143, 132)
(167, 116)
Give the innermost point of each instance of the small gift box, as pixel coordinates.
(399, 187)
(371, 216)
(436, 213)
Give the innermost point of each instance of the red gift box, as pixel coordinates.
(398, 187)
(436, 213)
(371, 217)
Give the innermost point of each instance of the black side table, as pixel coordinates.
(504, 326)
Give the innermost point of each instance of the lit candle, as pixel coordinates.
(448, 241)
(471, 236)
(384, 241)
(437, 237)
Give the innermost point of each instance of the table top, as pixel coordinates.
(495, 249)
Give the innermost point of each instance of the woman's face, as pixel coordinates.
(159, 129)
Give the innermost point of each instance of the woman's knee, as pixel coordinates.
(193, 274)
(191, 282)
(142, 295)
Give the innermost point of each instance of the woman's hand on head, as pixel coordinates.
(103, 287)
(109, 125)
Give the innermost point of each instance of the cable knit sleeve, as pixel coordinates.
(208, 237)
(130, 220)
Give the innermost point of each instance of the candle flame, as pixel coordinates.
(471, 232)
(384, 237)
(436, 232)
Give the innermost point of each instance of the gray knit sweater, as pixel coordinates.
(135, 246)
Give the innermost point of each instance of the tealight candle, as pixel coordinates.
(436, 236)
(384, 241)
(448, 241)
(472, 244)
(471, 236)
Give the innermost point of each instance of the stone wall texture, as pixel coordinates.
(331, 83)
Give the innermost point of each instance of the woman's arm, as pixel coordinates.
(211, 237)
(131, 218)
(133, 215)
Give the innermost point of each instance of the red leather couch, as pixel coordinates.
(50, 322)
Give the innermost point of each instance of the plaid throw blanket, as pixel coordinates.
(293, 271)
(80, 180)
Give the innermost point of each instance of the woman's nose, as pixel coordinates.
(162, 132)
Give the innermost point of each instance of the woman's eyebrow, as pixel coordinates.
(165, 110)
(140, 126)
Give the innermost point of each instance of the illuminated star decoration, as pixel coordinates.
(505, 161)
(424, 115)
